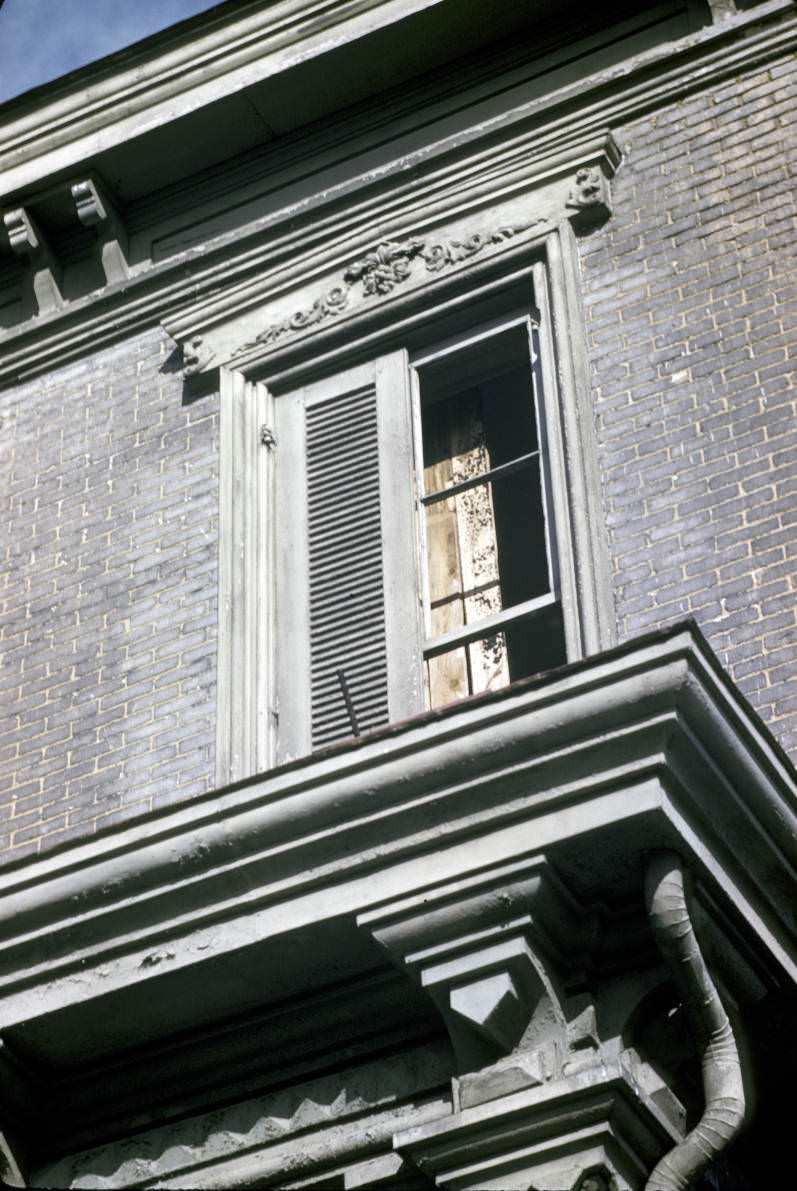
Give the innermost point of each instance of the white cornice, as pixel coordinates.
(102, 107)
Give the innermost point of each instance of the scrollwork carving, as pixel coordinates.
(332, 302)
(438, 256)
(23, 235)
(379, 272)
(88, 202)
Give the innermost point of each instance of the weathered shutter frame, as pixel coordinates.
(245, 695)
(388, 378)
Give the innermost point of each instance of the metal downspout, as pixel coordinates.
(708, 1023)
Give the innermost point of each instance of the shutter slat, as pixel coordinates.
(362, 666)
(347, 615)
(327, 522)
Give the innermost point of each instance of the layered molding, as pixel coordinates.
(289, 333)
(230, 1061)
(95, 108)
(320, 1122)
(642, 744)
(600, 1125)
(248, 330)
(221, 57)
(475, 847)
(562, 121)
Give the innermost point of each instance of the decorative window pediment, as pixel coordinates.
(348, 284)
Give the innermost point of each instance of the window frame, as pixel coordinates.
(247, 657)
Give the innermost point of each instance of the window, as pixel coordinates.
(401, 533)
(416, 561)
(491, 610)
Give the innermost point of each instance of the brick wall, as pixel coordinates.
(691, 316)
(108, 596)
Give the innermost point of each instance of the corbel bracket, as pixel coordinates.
(589, 200)
(197, 356)
(94, 209)
(483, 948)
(25, 239)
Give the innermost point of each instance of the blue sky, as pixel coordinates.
(42, 39)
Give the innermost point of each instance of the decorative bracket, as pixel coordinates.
(94, 209)
(26, 239)
(589, 200)
(476, 945)
(197, 356)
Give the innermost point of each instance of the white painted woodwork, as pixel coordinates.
(245, 685)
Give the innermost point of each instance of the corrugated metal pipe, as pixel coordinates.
(708, 1023)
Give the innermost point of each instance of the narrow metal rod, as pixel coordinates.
(344, 688)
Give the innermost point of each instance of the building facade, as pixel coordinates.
(399, 622)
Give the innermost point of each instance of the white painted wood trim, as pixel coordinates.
(245, 696)
(597, 626)
(400, 555)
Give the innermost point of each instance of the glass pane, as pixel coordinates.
(526, 647)
(520, 532)
(467, 670)
(537, 643)
(485, 549)
(477, 429)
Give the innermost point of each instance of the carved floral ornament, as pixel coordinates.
(390, 264)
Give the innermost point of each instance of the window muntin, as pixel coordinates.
(491, 610)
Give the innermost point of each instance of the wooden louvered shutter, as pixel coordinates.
(348, 663)
(347, 607)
